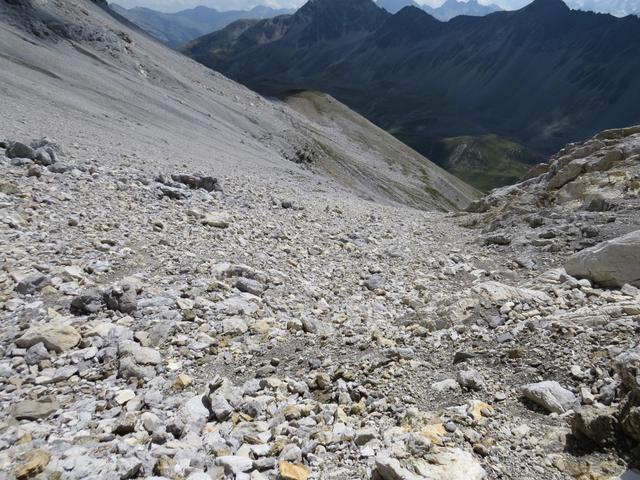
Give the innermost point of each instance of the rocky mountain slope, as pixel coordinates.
(190, 327)
(542, 76)
(131, 86)
(176, 29)
(178, 301)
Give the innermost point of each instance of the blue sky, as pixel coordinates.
(175, 5)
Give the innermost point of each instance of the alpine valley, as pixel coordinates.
(200, 282)
(485, 97)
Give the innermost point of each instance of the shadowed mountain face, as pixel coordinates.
(541, 76)
(176, 29)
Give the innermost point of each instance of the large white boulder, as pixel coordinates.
(609, 264)
(551, 396)
(448, 464)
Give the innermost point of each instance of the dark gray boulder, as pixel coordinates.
(20, 150)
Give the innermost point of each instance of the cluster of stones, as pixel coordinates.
(158, 326)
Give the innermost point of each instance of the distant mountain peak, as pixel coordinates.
(394, 6)
(338, 5)
(331, 19)
(546, 6)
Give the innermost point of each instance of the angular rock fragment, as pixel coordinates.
(318, 327)
(597, 424)
(20, 150)
(36, 354)
(173, 193)
(210, 184)
(88, 302)
(375, 282)
(251, 286)
(551, 396)
(128, 368)
(290, 471)
(31, 283)
(141, 355)
(35, 409)
(470, 379)
(234, 326)
(122, 298)
(56, 337)
(217, 220)
(33, 464)
(235, 465)
(450, 464)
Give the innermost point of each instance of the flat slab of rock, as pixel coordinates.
(34, 410)
(551, 396)
(217, 220)
(611, 264)
(141, 355)
(58, 338)
(500, 293)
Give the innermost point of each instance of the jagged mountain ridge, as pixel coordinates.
(394, 6)
(544, 75)
(448, 10)
(176, 29)
(454, 8)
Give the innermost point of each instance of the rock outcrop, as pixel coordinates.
(613, 263)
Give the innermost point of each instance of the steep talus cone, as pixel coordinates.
(611, 264)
